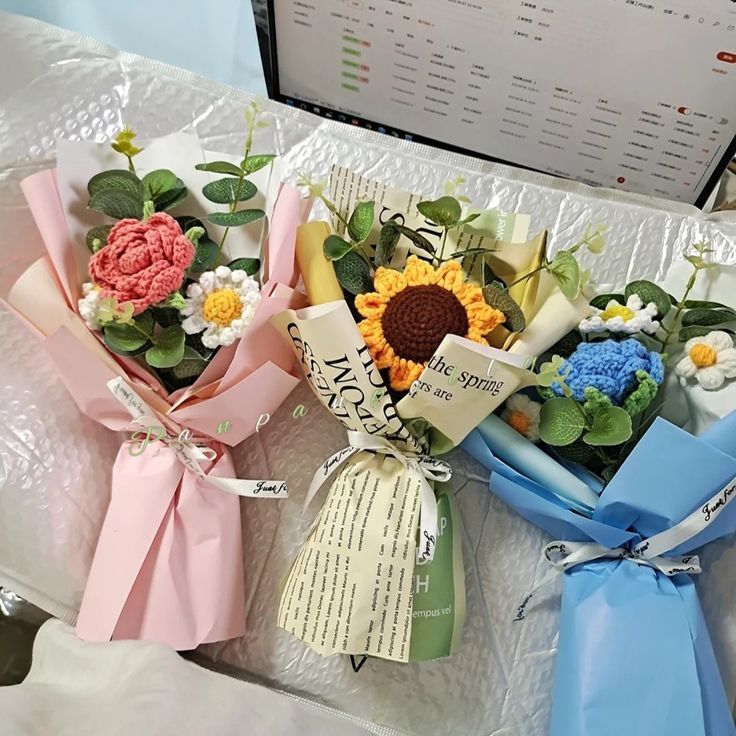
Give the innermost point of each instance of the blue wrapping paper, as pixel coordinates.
(634, 656)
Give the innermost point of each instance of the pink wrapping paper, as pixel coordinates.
(168, 565)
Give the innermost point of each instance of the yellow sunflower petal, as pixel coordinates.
(388, 282)
(482, 319)
(403, 373)
(418, 272)
(469, 294)
(371, 305)
(450, 276)
(381, 352)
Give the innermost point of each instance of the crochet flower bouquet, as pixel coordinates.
(380, 573)
(158, 325)
(628, 499)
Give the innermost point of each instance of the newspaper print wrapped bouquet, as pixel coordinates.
(419, 327)
(153, 305)
(629, 498)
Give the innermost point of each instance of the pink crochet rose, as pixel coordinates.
(142, 262)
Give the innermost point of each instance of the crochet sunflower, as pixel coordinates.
(411, 311)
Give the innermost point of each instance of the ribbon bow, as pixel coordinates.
(187, 452)
(651, 552)
(427, 468)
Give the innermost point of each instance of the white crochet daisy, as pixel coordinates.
(710, 360)
(98, 311)
(626, 319)
(222, 304)
(522, 414)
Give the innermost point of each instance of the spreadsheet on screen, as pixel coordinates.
(631, 94)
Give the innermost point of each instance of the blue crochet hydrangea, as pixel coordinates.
(611, 367)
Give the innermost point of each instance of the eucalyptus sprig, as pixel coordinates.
(235, 187)
(564, 266)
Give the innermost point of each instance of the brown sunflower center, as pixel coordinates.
(417, 319)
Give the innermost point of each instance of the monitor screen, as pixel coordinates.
(638, 95)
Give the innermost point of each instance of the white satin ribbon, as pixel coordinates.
(649, 552)
(188, 453)
(427, 468)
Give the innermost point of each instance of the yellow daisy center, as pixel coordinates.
(618, 310)
(222, 307)
(703, 355)
(519, 421)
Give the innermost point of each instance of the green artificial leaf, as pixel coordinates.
(601, 301)
(707, 317)
(445, 211)
(173, 301)
(700, 304)
(361, 221)
(124, 339)
(250, 265)
(609, 471)
(255, 163)
(171, 198)
(186, 222)
(595, 401)
(650, 292)
(354, 273)
(698, 261)
(191, 365)
(117, 203)
(206, 255)
(194, 233)
(155, 183)
(236, 219)
(688, 333)
(560, 422)
(98, 233)
(469, 218)
(118, 180)
(611, 426)
(166, 316)
(387, 242)
(566, 271)
(501, 299)
(640, 399)
(335, 248)
(169, 348)
(577, 452)
(221, 167)
(418, 239)
(225, 191)
(549, 373)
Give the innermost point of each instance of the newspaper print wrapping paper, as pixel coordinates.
(499, 682)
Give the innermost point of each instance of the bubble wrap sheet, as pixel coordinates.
(55, 464)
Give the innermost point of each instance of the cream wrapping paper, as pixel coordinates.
(373, 501)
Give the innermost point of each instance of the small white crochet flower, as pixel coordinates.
(522, 414)
(710, 360)
(626, 319)
(222, 304)
(89, 306)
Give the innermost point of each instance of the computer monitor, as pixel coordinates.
(638, 95)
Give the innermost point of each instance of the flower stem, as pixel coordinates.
(442, 247)
(680, 306)
(527, 275)
(135, 326)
